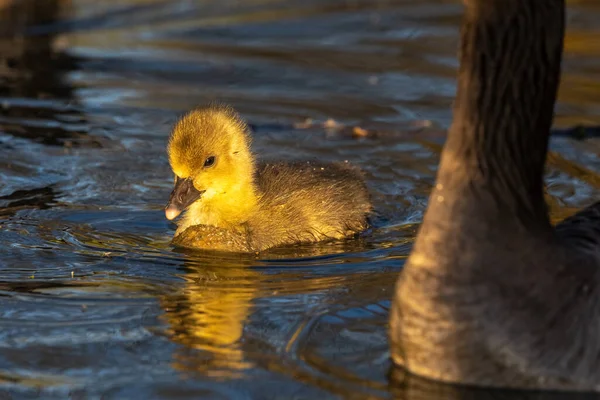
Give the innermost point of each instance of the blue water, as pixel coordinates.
(95, 303)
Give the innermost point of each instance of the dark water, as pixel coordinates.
(94, 302)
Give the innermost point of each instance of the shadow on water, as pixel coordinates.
(35, 96)
(35, 198)
(95, 302)
(412, 388)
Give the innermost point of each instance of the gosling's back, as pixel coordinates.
(308, 202)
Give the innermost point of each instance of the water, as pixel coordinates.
(95, 303)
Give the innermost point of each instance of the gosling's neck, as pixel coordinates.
(227, 208)
(489, 186)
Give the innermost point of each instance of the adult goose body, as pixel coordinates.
(492, 294)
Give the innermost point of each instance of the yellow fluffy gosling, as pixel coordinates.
(232, 203)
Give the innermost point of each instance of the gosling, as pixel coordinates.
(232, 203)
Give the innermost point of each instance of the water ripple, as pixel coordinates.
(96, 303)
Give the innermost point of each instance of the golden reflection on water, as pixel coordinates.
(209, 314)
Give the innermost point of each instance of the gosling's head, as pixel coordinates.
(209, 152)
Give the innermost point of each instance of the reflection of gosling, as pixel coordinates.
(233, 205)
(210, 314)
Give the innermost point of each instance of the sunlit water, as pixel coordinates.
(95, 303)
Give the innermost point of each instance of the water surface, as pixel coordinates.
(95, 303)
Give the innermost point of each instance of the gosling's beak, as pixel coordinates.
(182, 196)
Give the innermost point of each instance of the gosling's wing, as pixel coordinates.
(335, 195)
(279, 181)
(307, 202)
(583, 228)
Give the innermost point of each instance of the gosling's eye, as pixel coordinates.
(209, 162)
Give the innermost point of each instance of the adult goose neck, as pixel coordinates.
(510, 59)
